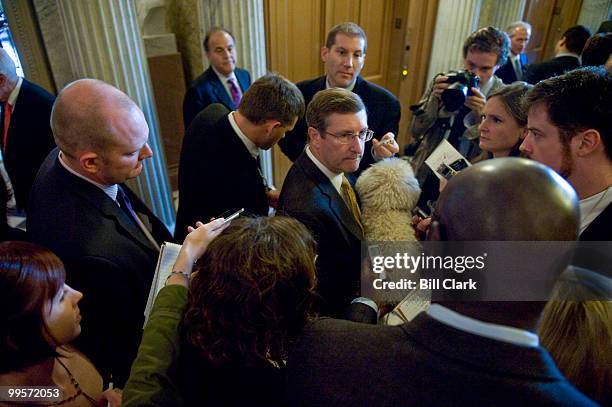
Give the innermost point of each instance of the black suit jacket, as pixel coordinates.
(383, 110)
(547, 69)
(310, 197)
(107, 258)
(29, 138)
(601, 227)
(421, 363)
(216, 172)
(506, 72)
(208, 89)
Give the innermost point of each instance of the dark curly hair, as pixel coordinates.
(252, 292)
(30, 276)
(488, 39)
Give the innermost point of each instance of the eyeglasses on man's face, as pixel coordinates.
(347, 138)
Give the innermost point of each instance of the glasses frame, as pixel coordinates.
(364, 135)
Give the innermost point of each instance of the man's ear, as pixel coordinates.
(324, 53)
(270, 125)
(588, 141)
(313, 136)
(90, 162)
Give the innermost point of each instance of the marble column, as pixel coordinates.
(593, 12)
(507, 12)
(245, 19)
(104, 42)
(456, 20)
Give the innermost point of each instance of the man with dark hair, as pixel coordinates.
(567, 56)
(219, 165)
(318, 193)
(569, 129)
(344, 56)
(81, 210)
(458, 352)
(26, 136)
(484, 51)
(514, 68)
(597, 50)
(222, 82)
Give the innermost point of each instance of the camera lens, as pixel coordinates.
(454, 96)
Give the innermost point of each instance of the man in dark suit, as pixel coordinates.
(222, 82)
(318, 193)
(344, 56)
(107, 238)
(514, 68)
(219, 169)
(26, 136)
(567, 56)
(570, 131)
(457, 353)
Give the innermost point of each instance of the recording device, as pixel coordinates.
(461, 86)
(229, 216)
(448, 171)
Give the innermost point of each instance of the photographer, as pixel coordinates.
(484, 51)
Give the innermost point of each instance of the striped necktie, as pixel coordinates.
(234, 91)
(348, 194)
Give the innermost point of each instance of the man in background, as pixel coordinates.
(219, 166)
(567, 56)
(484, 51)
(514, 68)
(222, 82)
(26, 136)
(344, 56)
(81, 210)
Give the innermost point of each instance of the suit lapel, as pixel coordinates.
(220, 91)
(96, 198)
(334, 200)
(242, 80)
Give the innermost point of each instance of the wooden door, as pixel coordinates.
(548, 19)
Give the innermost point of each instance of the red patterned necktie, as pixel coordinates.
(6, 112)
(234, 91)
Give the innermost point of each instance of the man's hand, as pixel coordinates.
(439, 86)
(476, 102)
(385, 148)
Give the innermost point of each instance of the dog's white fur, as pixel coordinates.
(389, 192)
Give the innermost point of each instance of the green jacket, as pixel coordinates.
(150, 382)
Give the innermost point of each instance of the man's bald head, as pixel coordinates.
(86, 115)
(508, 199)
(8, 75)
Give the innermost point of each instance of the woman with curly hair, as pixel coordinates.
(250, 296)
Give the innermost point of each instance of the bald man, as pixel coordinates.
(456, 353)
(106, 237)
(25, 134)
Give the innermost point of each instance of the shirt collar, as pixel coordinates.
(224, 78)
(567, 54)
(12, 99)
(109, 190)
(351, 87)
(501, 333)
(253, 149)
(335, 179)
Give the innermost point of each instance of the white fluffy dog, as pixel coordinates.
(389, 192)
